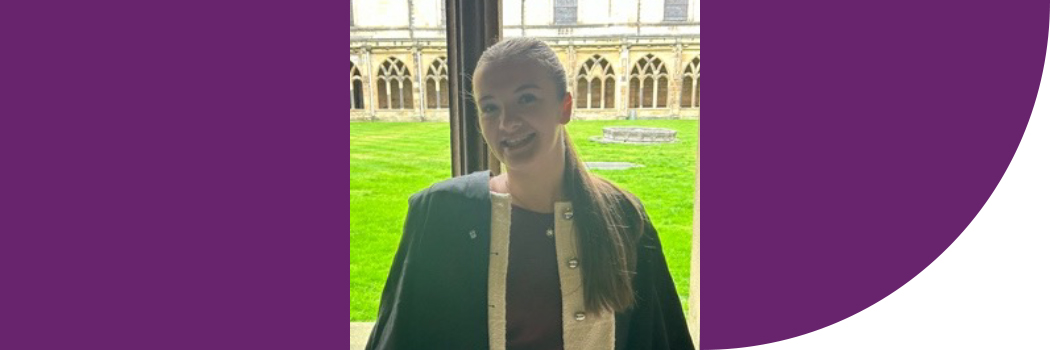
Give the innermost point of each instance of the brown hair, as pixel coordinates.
(607, 219)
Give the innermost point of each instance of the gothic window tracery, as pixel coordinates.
(648, 83)
(690, 95)
(595, 84)
(394, 85)
(357, 93)
(437, 84)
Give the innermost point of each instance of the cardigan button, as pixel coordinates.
(473, 234)
(573, 263)
(580, 316)
(550, 233)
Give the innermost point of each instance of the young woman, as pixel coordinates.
(543, 256)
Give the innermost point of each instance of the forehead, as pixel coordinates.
(505, 76)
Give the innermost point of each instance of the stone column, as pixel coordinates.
(418, 56)
(369, 82)
(411, 21)
(674, 91)
(623, 84)
(638, 20)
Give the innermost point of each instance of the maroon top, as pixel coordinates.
(533, 288)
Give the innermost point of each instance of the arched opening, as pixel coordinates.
(690, 95)
(437, 84)
(595, 82)
(394, 85)
(357, 94)
(652, 92)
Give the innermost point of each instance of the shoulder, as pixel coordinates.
(446, 207)
(631, 211)
(629, 204)
(473, 186)
(622, 195)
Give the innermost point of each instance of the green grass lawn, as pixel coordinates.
(390, 161)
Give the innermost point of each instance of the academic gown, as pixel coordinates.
(436, 295)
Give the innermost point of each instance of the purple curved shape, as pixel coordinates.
(844, 146)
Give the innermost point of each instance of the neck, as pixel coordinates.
(538, 187)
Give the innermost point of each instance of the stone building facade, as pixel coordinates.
(624, 58)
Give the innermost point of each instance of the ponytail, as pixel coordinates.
(608, 234)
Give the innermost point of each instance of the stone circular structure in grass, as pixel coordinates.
(636, 135)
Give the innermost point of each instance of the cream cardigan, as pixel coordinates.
(580, 330)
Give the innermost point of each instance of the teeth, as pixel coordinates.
(517, 141)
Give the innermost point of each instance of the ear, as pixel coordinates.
(566, 109)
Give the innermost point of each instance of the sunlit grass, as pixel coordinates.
(390, 161)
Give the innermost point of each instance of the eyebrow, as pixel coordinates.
(519, 89)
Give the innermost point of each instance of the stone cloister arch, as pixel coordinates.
(394, 85)
(648, 83)
(595, 84)
(690, 95)
(437, 84)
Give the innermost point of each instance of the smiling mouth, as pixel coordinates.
(518, 142)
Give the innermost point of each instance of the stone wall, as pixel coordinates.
(407, 36)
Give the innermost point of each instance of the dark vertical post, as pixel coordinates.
(471, 26)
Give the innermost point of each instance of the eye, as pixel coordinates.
(489, 109)
(526, 98)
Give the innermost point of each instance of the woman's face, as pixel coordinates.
(521, 114)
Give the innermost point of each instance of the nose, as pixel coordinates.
(509, 121)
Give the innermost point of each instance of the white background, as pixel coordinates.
(990, 289)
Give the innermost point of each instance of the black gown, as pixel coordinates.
(436, 294)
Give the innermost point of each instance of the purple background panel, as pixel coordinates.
(174, 175)
(844, 146)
